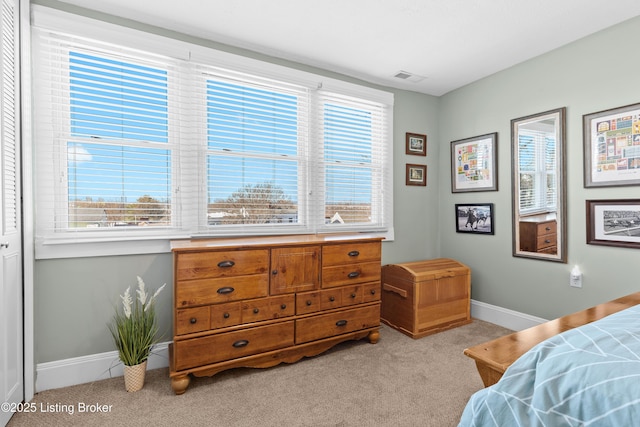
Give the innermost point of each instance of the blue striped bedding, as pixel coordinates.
(587, 376)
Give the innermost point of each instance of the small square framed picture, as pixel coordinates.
(416, 144)
(416, 175)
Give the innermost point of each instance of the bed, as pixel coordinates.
(585, 376)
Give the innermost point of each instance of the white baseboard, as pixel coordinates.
(504, 317)
(86, 369)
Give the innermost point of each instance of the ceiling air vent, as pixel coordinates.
(405, 75)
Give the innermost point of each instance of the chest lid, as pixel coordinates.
(426, 270)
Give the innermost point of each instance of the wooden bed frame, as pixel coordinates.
(494, 357)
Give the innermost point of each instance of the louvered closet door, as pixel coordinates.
(11, 325)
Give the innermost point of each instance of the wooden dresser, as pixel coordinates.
(257, 302)
(539, 234)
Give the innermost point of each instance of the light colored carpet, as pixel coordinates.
(397, 382)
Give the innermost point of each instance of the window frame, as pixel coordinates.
(188, 222)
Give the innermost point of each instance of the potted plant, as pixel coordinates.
(134, 330)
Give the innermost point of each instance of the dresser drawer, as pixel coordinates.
(190, 320)
(342, 322)
(350, 253)
(350, 274)
(259, 309)
(212, 291)
(359, 294)
(224, 315)
(546, 241)
(212, 264)
(371, 292)
(548, 227)
(310, 302)
(216, 348)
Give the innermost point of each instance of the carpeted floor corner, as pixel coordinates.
(397, 382)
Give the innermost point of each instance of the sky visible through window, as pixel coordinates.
(114, 107)
(120, 151)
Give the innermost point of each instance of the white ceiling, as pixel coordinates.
(448, 42)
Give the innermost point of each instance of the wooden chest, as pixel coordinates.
(424, 297)
(261, 301)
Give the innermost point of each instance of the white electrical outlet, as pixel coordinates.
(575, 278)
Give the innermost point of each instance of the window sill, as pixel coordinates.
(80, 249)
(74, 248)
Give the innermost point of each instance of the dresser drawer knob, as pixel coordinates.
(353, 274)
(193, 320)
(353, 295)
(240, 343)
(341, 323)
(256, 310)
(373, 291)
(274, 272)
(226, 315)
(225, 290)
(226, 264)
(353, 253)
(283, 306)
(309, 302)
(332, 298)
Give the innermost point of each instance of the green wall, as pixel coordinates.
(74, 298)
(593, 74)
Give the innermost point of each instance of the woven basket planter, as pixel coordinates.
(134, 376)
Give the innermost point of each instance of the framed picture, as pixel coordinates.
(612, 147)
(614, 222)
(474, 218)
(474, 164)
(416, 144)
(416, 175)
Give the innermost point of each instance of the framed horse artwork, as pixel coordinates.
(474, 218)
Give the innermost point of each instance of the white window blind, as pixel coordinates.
(352, 167)
(131, 143)
(256, 135)
(106, 139)
(537, 171)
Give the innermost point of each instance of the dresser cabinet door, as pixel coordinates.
(295, 269)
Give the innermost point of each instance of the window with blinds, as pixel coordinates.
(537, 172)
(352, 167)
(130, 142)
(118, 168)
(255, 140)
